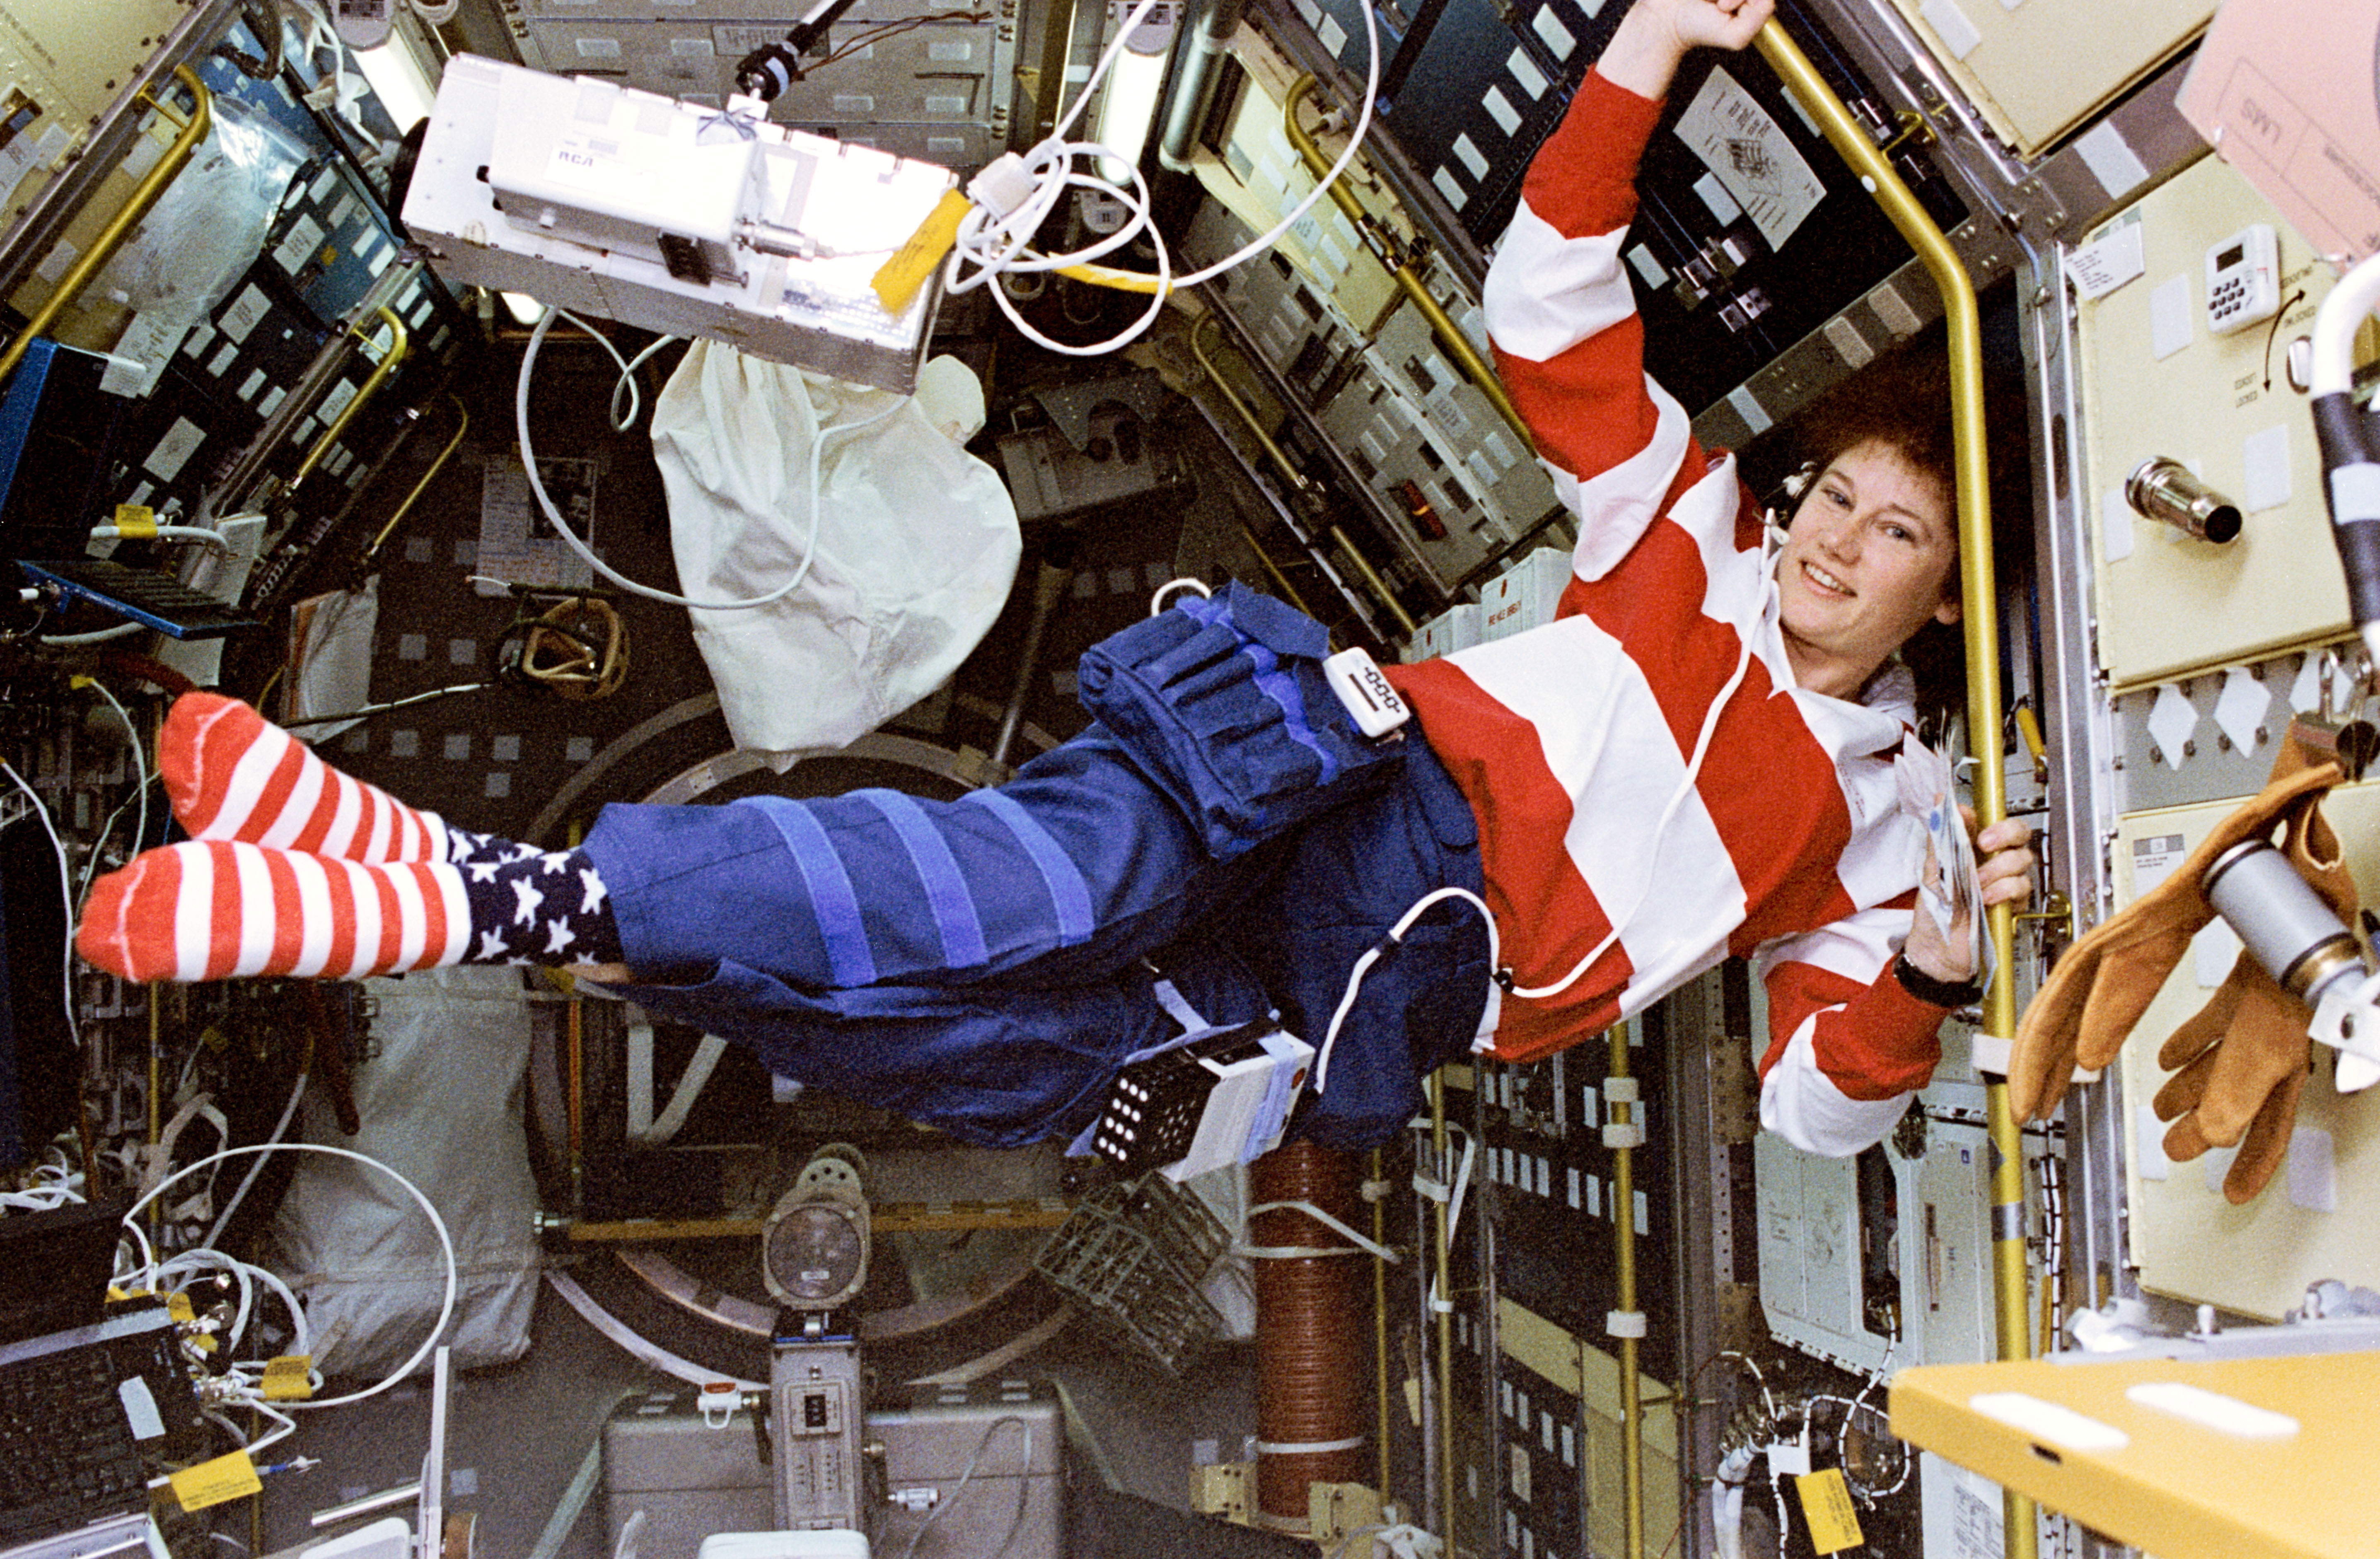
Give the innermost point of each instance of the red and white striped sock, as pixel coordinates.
(232, 774)
(210, 910)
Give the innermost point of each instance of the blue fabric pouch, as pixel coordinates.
(1222, 703)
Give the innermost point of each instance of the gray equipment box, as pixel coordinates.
(693, 1478)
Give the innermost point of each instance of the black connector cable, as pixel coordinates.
(770, 68)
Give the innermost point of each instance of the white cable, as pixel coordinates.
(1024, 1486)
(446, 1246)
(1363, 1245)
(621, 421)
(553, 516)
(124, 630)
(223, 1220)
(139, 766)
(1661, 826)
(38, 1201)
(91, 860)
(65, 892)
(1372, 955)
(139, 1276)
(246, 1273)
(996, 244)
(255, 1402)
(1005, 262)
(1157, 601)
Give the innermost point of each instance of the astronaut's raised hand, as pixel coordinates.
(1656, 34)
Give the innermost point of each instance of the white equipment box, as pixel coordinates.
(593, 196)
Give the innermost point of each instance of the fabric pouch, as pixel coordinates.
(1223, 704)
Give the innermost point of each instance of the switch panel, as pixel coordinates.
(2157, 383)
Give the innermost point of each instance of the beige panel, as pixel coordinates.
(2175, 604)
(2192, 1243)
(1259, 178)
(67, 60)
(2038, 71)
(1572, 1364)
(1607, 1525)
(73, 56)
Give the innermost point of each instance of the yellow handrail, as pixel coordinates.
(1623, 1231)
(399, 340)
(119, 227)
(1401, 269)
(462, 425)
(1979, 593)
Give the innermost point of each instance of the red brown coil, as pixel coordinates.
(1313, 1333)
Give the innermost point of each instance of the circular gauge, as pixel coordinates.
(812, 1256)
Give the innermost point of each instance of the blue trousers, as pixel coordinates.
(984, 965)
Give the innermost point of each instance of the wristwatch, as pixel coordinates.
(1933, 992)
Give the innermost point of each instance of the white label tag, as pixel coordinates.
(1759, 166)
(2105, 263)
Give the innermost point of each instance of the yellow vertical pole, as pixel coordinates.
(1979, 593)
(1373, 1170)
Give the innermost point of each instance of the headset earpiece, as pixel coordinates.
(1788, 496)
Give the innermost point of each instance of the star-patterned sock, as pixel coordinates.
(215, 909)
(538, 906)
(233, 775)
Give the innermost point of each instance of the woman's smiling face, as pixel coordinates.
(1871, 558)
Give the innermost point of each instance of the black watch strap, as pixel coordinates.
(1933, 992)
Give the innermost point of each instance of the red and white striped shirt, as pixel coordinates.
(1572, 740)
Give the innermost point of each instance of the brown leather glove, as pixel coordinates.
(2240, 1062)
(2087, 1008)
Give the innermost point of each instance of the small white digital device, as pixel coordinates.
(1371, 703)
(1221, 1096)
(2243, 279)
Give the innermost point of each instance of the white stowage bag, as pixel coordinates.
(441, 1104)
(915, 541)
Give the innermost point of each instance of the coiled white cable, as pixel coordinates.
(446, 1246)
(992, 244)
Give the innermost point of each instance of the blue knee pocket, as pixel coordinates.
(1222, 703)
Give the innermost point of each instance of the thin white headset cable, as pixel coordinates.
(65, 892)
(139, 767)
(1660, 828)
(1372, 955)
